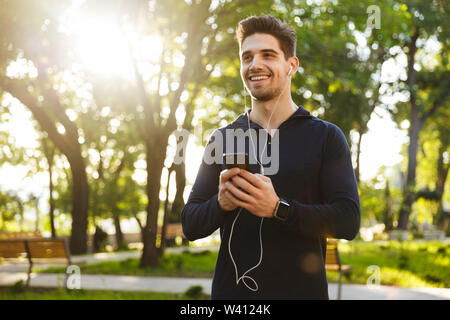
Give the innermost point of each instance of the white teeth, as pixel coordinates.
(259, 78)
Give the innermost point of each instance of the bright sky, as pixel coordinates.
(381, 145)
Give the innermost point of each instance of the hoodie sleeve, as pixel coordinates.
(339, 213)
(202, 215)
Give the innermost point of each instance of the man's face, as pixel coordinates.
(262, 56)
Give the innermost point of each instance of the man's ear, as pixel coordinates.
(294, 62)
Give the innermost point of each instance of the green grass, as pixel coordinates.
(407, 264)
(404, 264)
(186, 264)
(62, 294)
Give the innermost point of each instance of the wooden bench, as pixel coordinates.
(174, 230)
(20, 235)
(333, 262)
(35, 251)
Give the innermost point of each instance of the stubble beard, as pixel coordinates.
(266, 95)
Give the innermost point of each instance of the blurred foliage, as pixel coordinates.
(339, 80)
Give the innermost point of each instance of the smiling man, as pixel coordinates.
(274, 227)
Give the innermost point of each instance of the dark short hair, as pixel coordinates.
(265, 23)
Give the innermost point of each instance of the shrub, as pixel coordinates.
(194, 292)
(403, 262)
(18, 287)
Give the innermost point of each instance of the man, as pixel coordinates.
(312, 196)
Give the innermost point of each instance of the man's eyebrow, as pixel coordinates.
(262, 50)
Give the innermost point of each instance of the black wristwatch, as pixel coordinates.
(282, 210)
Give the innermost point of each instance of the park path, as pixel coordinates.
(10, 273)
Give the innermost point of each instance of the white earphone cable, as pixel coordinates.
(244, 275)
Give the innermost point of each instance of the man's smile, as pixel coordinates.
(259, 78)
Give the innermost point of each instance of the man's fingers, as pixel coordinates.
(225, 175)
(244, 185)
(237, 193)
(235, 201)
(253, 179)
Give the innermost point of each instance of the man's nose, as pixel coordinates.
(256, 62)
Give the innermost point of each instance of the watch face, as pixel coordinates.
(283, 210)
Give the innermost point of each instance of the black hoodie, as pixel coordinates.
(316, 178)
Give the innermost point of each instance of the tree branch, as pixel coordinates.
(19, 91)
(146, 103)
(139, 221)
(437, 103)
(411, 72)
(55, 105)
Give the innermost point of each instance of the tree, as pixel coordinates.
(433, 163)
(424, 20)
(45, 49)
(10, 206)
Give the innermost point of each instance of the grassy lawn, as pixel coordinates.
(62, 294)
(407, 264)
(186, 264)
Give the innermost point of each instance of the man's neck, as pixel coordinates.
(262, 110)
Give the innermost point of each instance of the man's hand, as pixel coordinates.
(225, 177)
(257, 195)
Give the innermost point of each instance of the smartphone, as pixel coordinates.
(239, 160)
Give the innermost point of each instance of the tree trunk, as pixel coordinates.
(408, 192)
(388, 221)
(442, 173)
(49, 152)
(162, 246)
(51, 200)
(358, 155)
(178, 202)
(19, 203)
(118, 234)
(155, 164)
(80, 204)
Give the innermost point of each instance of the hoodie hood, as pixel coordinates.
(242, 120)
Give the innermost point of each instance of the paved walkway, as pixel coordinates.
(178, 285)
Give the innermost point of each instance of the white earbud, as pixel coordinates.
(289, 73)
